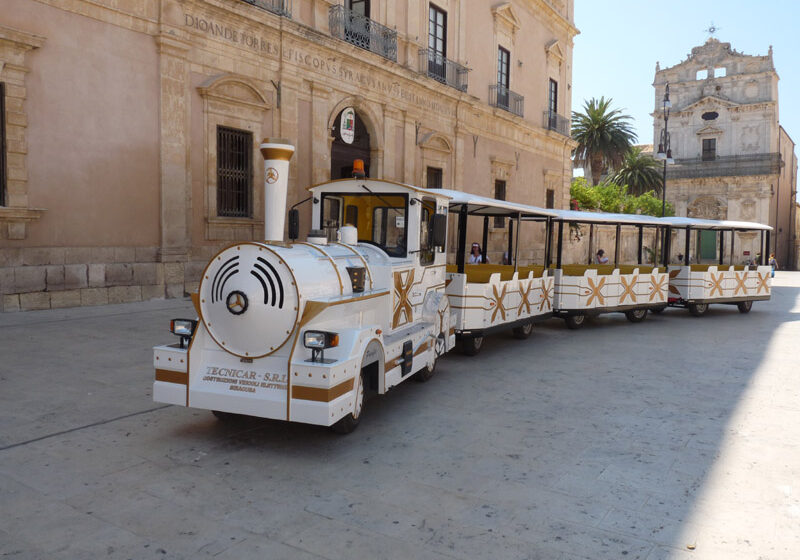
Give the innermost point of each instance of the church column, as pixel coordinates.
(174, 173)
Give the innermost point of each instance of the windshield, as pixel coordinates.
(379, 218)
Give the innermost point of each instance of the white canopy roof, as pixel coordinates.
(606, 218)
(485, 206)
(697, 223)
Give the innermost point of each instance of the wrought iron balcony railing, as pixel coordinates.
(726, 166)
(280, 7)
(554, 121)
(502, 97)
(363, 32)
(442, 69)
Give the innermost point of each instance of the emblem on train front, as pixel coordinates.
(272, 175)
(236, 302)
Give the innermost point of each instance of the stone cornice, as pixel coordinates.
(543, 8)
(13, 214)
(20, 39)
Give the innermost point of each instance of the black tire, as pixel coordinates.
(224, 416)
(636, 315)
(351, 420)
(523, 331)
(698, 309)
(471, 345)
(657, 310)
(745, 306)
(427, 372)
(575, 322)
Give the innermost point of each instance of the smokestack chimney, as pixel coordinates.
(276, 152)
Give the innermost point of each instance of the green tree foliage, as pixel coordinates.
(611, 197)
(640, 172)
(603, 135)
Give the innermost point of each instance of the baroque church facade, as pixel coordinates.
(733, 159)
(131, 129)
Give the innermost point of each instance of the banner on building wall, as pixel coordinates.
(347, 125)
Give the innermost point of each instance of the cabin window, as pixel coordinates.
(499, 194)
(426, 251)
(234, 172)
(434, 178)
(380, 218)
(2, 144)
(709, 149)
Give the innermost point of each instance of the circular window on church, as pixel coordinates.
(710, 116)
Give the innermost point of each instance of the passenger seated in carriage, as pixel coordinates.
(476, 255)
(601, 257)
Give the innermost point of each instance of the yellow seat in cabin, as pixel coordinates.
(482, 273)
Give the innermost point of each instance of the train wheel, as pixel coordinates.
(698, 309)
(575, 321)
(524, 331)
(471, 345)
(427, 372)
(350, 422)
(658, 309)
(745, 306)
(636, 315)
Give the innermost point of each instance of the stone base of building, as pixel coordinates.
(50, 278)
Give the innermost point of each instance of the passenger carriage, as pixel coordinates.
(487, 298)
(586, 288)
(695, 285)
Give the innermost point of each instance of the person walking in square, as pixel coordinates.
(773, 263)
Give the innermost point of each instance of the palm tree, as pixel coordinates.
(603, 135)
(640, 172)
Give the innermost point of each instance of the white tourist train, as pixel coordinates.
(301, 331)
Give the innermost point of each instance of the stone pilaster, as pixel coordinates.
(174, 140)
(320, 147)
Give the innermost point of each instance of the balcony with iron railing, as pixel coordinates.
(555, 122)
(279, 7)
(443, 70)
(725, 166)
(363, 32)
(503, 98)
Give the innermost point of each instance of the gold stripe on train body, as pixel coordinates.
(627, 289)
(168, 376)
(401, 289)
(546, 295)
(596, 291)
(498, 299)
(657, 288)
(740, 283)
(716, 283)
(762, 282)
(319, 394)
(361, 257)
(330, 260)
(524, 295)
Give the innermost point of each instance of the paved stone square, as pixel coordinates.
(678, 438)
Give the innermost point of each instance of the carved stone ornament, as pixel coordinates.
(707, 207)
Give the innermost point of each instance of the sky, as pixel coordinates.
(620, 41)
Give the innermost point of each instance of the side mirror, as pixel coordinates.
(439, 233)
(294, 224)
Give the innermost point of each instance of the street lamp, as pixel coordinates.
(664, 150)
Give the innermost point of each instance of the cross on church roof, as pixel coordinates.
(711, 30)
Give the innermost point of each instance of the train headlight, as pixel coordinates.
(183, 328)
(317, 341)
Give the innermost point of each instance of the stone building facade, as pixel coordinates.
(131, 132)
(733, 159)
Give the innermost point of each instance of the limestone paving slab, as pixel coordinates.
(616, 441)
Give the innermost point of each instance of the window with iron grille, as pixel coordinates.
(234, 172)
(709, 149)
(553, 104)
(434, 178)
(499, 194)
(2, 144)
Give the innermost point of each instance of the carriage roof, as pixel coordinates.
(484, 206)
(698, 223)
(607, 218)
